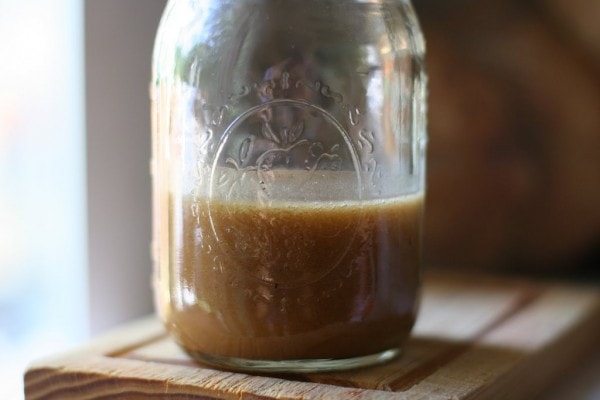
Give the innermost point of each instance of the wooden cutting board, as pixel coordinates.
(476, 338)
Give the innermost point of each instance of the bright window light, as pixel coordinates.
(43, 290)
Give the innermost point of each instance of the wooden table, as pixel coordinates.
(476, 338)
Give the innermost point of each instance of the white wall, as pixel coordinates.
(118, 46)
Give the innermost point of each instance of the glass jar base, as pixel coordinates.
(294, 366)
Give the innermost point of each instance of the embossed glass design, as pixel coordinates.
(288, 166)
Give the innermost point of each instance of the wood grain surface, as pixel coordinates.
(476, 338)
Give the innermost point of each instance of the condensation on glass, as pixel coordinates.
(288, 166)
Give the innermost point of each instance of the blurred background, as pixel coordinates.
(514, 124)
(513, 170)
(74, 177)
(42, 183)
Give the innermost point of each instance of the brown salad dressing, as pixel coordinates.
(292, 280)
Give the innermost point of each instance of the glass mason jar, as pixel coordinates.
(288, 167)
